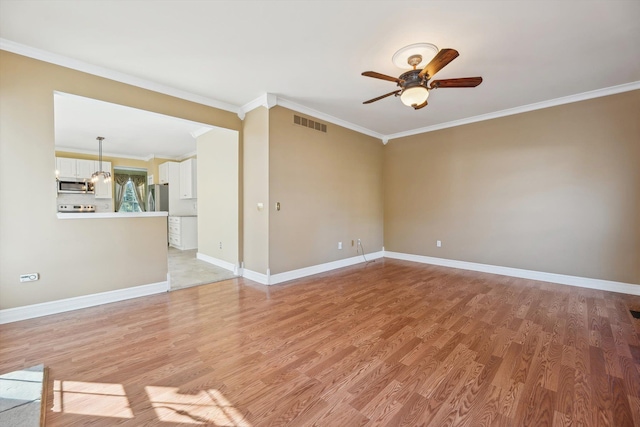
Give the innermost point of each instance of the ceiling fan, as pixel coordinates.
(415, 84)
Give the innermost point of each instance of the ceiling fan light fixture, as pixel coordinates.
(415, 95)
(416, 83)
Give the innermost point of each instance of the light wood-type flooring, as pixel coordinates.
(388, 343)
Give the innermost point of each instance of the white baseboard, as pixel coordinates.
(60, 306)
(274, 279)
(234, 268)
(583, 282)
(255, 276)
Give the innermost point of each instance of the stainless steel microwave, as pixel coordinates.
(75, 187)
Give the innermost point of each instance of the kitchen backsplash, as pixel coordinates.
(102, 205)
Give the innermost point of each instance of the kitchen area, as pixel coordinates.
(135, 176)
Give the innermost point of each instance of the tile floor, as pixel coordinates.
(21, 397)
(186, 270)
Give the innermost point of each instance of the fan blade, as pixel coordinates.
(380, 76)
(395, 92)
(462, 82)
(417, 107)
(438, 62)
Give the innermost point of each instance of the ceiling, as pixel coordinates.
(128, 132)
(311, 53)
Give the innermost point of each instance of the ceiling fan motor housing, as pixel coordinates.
(411, 79)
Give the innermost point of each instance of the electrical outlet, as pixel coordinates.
(30, 277)
(339, 245)
(220, 245)
(438, 243)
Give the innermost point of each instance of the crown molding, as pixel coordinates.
(188, 155)
(267, 100)
(119, 155)
(104, 153)
(199, 132)
(627, 87)
(270, 100)
(96, 70)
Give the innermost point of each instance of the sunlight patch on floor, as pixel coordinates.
(205, 408)
(83, 398)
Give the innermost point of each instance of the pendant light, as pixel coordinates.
(106, 176)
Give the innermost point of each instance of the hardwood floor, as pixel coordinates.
(389, 343)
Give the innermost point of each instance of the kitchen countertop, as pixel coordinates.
(102, 215)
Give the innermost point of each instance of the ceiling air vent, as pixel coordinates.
(308, 123)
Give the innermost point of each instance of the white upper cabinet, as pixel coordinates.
(188, 179)
(163, 173)
(85, 168)
(181, 179)
(74, 168)
(65, 168)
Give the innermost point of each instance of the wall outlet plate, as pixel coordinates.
(29, 277)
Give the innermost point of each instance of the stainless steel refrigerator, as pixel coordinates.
(158, 198)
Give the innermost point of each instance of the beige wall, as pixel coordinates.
(32, 239)
(87, 257)
(554, 190)
(329, 186)
(256, 190)
(218, 185)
